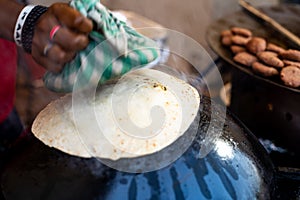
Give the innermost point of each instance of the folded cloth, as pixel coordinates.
(113, 50)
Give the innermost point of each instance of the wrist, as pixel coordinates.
(8, 17)
(24, 27)
(20, 23)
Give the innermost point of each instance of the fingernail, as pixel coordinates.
(78, 20)
(80, 40)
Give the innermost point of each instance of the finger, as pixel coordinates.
(55, 58)
(48, 64)
(71, 17)
(69, 40)
(58, 55)
(43, 26)
(66, 38)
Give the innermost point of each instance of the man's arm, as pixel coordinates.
(9, 12)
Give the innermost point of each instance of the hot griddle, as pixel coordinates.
(242, 167)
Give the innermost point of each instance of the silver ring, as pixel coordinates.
(47, 48)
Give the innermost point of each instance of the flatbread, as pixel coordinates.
(144, 112)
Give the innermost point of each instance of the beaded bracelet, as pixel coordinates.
(28, 28)
(24, 29)
(20, 22)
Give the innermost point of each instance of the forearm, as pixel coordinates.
(9, 12)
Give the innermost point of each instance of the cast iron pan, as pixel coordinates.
(286, 14)
(237, 168)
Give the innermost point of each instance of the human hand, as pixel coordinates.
(70, 37)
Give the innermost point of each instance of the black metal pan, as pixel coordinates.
(238, 167)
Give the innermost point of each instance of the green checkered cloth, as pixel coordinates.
(114, 49)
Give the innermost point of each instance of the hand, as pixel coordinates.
(70, 37)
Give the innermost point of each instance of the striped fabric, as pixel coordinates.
(114, 49)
